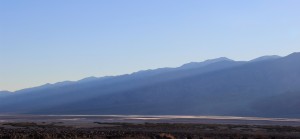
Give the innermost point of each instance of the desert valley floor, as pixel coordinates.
(144, 127)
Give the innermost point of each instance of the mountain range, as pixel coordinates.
(267, 86)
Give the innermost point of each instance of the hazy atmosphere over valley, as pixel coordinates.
(225, 58)
(150, 69)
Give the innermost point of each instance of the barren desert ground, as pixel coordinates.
(144, 127)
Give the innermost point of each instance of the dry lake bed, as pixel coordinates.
(146, 127)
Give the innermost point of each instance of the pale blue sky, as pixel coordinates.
(56, 40)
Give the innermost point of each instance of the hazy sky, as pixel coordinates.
(56, 40)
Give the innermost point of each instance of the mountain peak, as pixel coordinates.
(218, 59)
(206, 62)
(4, 91)
(87, 79)
(267, 57)
(294, 54)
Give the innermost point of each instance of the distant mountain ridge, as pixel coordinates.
(4, 93)
(142, 72)
(265, 58)
(214, 87)
(204, 63)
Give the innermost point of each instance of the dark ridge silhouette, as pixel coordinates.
(214, 87)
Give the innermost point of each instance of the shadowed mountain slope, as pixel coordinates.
(50, 95)
(223, 87)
